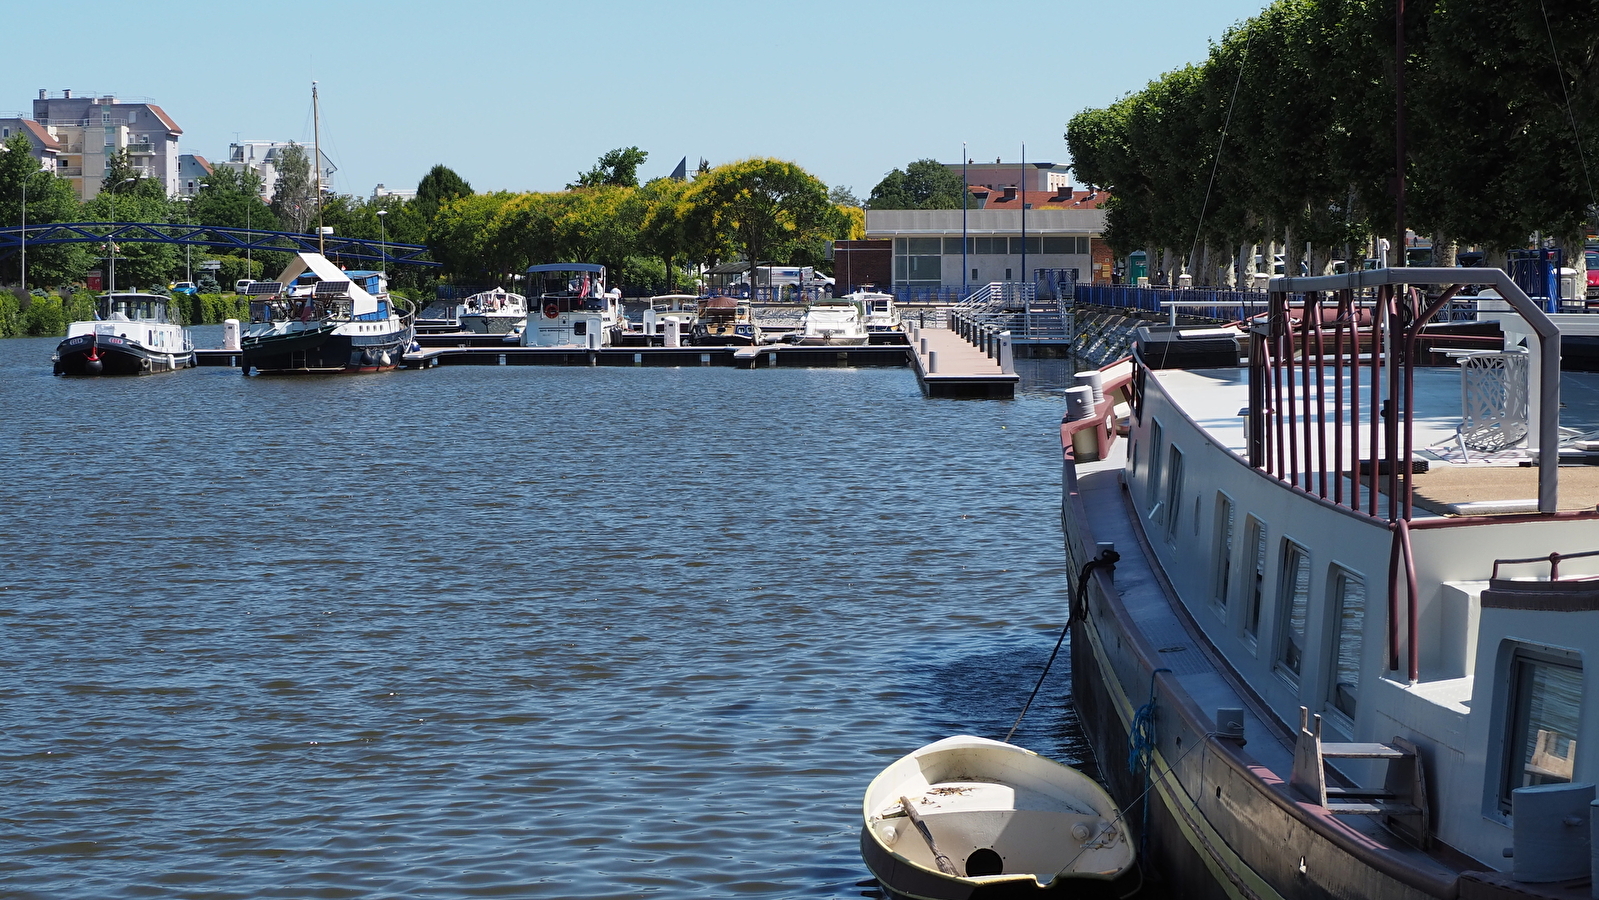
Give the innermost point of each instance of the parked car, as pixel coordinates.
(185, 287)
(1592, 255)
(240, 285)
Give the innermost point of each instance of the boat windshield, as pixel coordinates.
(134, 307)
(566, 283)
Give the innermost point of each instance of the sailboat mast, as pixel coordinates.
(316, 164)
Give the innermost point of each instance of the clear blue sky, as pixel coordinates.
(525, 95)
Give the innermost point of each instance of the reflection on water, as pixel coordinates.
(503, 631)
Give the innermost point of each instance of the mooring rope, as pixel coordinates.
(1077, 609)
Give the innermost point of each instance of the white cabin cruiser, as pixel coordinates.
(492, 312)
(1348, 603)
(132, 334)
(881, 314)
(831, 322)
(571, 307)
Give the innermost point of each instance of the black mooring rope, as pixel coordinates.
(1078, 609)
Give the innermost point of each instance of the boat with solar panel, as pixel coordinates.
(315, 318)
(1336, 595)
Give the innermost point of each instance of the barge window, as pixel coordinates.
(1294, 595)
(1174, 492)
(1540, 738)
(1224, 550)
(1152, 495)
(1255, 539)
(1349, 605)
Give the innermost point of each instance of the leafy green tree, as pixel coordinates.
(763, 207)
(467, 239)
(663, 231)
(839, 195)
(618, 168)
(294, 196)
(231, 198)
(137, 263)
(438, 187)
(50, 199)
(924, 184)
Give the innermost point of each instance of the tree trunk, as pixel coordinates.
(1443, 251)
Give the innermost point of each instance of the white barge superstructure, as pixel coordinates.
(1335, 690)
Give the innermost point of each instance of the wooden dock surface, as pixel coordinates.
(951, 366)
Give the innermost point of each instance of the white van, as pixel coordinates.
(240, 285)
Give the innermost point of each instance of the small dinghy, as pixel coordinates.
(968, 817)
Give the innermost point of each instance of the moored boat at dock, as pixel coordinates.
(725, 322)
(314, 319)
(132, 334)
(1341, 617)
(571, 307)
(493, 312)
(971, 817)
(832, 322)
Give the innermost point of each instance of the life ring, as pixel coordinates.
(551, 310)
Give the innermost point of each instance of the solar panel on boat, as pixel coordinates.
(256, 288)
(332, 288)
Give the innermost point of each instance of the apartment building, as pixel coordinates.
(263, 157)
(75, 136)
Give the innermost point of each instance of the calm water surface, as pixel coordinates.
(502, 632)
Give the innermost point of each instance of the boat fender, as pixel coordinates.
(384, 358)
(144, 364)
(551, 310)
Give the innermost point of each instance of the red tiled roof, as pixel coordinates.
(42, 134)
(165, 119)
(204, 163)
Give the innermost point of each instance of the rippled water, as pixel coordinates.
(502, 631)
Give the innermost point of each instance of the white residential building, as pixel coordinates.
(263, 157)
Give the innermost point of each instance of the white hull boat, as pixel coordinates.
(833, 322)
(493, 312)
(970, 817)
(572, 308)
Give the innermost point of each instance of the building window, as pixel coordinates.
(1174, 492)
(917, 259)
(952, 246)
(1540, 744)
(1007, 275)
(974, 274)
(989, 246)
(1255, 544)
(1349, 606)
(1016, 245)
(1224, 550)
(1059, 245)
(1293, 598)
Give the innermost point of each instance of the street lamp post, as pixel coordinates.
(188, 271)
